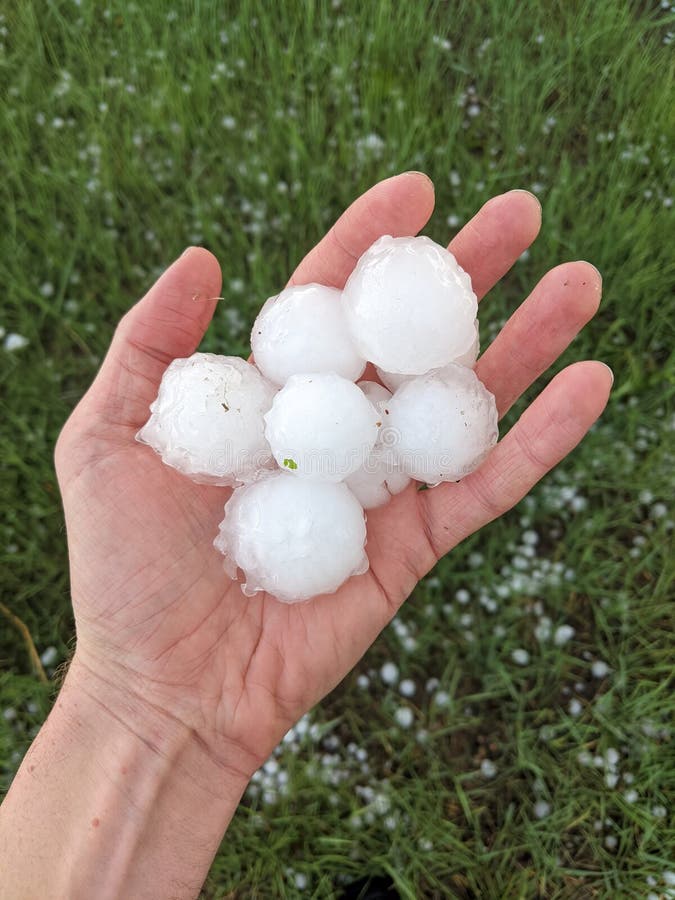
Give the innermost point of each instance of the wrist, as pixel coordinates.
(99, 702)
(124, 799)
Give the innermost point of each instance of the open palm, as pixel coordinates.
(155, 611)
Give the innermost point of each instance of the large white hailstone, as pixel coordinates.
(445, 424)
(379, 478)
(321, 426)
(394, 380)
(293, 538)
(304, 329)
(409, 305)
(207, 420)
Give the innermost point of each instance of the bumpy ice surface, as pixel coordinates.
(321, 426)
(379, 477)
(409, 305)
(292, 537)
(394, 380)
(207, 420)
(304, 329)
(444, 423)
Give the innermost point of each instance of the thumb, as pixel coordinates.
(169, 322)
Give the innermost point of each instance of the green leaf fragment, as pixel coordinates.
(290, 464)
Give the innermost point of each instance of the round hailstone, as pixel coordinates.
(293, 538)
(394, 380)
(379, 478)
(304, 329)
(410, 306)
(207, 420)
(321, 426)
(445, 423)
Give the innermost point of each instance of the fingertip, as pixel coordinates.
(202, 265)
(524, 208)
(578, 285)
(593, 274)
(420, 177)
(604, 373)
(414, 193)
(585, 387)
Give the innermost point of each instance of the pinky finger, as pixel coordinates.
(546, 432)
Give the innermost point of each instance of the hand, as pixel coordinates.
(157, 616)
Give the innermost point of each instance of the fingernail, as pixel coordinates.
(187, 250)
(593, 267)
(611, 373)
(529, 194)
(415, 172)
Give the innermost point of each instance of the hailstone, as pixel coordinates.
(207, 420)
(293, 538)
(444, 424)
(304, 329)
(394, 380)
(321, 426)
(410, 306)
(379, 478)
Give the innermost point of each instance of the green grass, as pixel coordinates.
(246, 127)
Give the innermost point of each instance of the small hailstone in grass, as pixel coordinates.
(15, 342)
(207, 420)
(599, 669)
(407, 687)
(293, 538)
(379, 478)
(441, 698)
(445, 425)
(630, 796)
(394, 380)
(669, 878)
(363, 682)
(542, 809)
(303, 329)
(520, 656)
(409, 305)
(488, 769)
(389, 673)
(562, 635)
(321, 427)
(611, 842)
(49, 656)
(611, 779)
(612, 757)
(659, 811)
(575, 708)
(404, 716)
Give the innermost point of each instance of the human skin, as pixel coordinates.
(180, 686)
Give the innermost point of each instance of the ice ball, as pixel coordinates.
(304, 329)
(410, 306)
(394, 380)
(207, 420)
(321, 426)
(443, 424)
(379, 478)
(292, 537)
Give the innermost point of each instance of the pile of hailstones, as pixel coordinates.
(308, 446)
